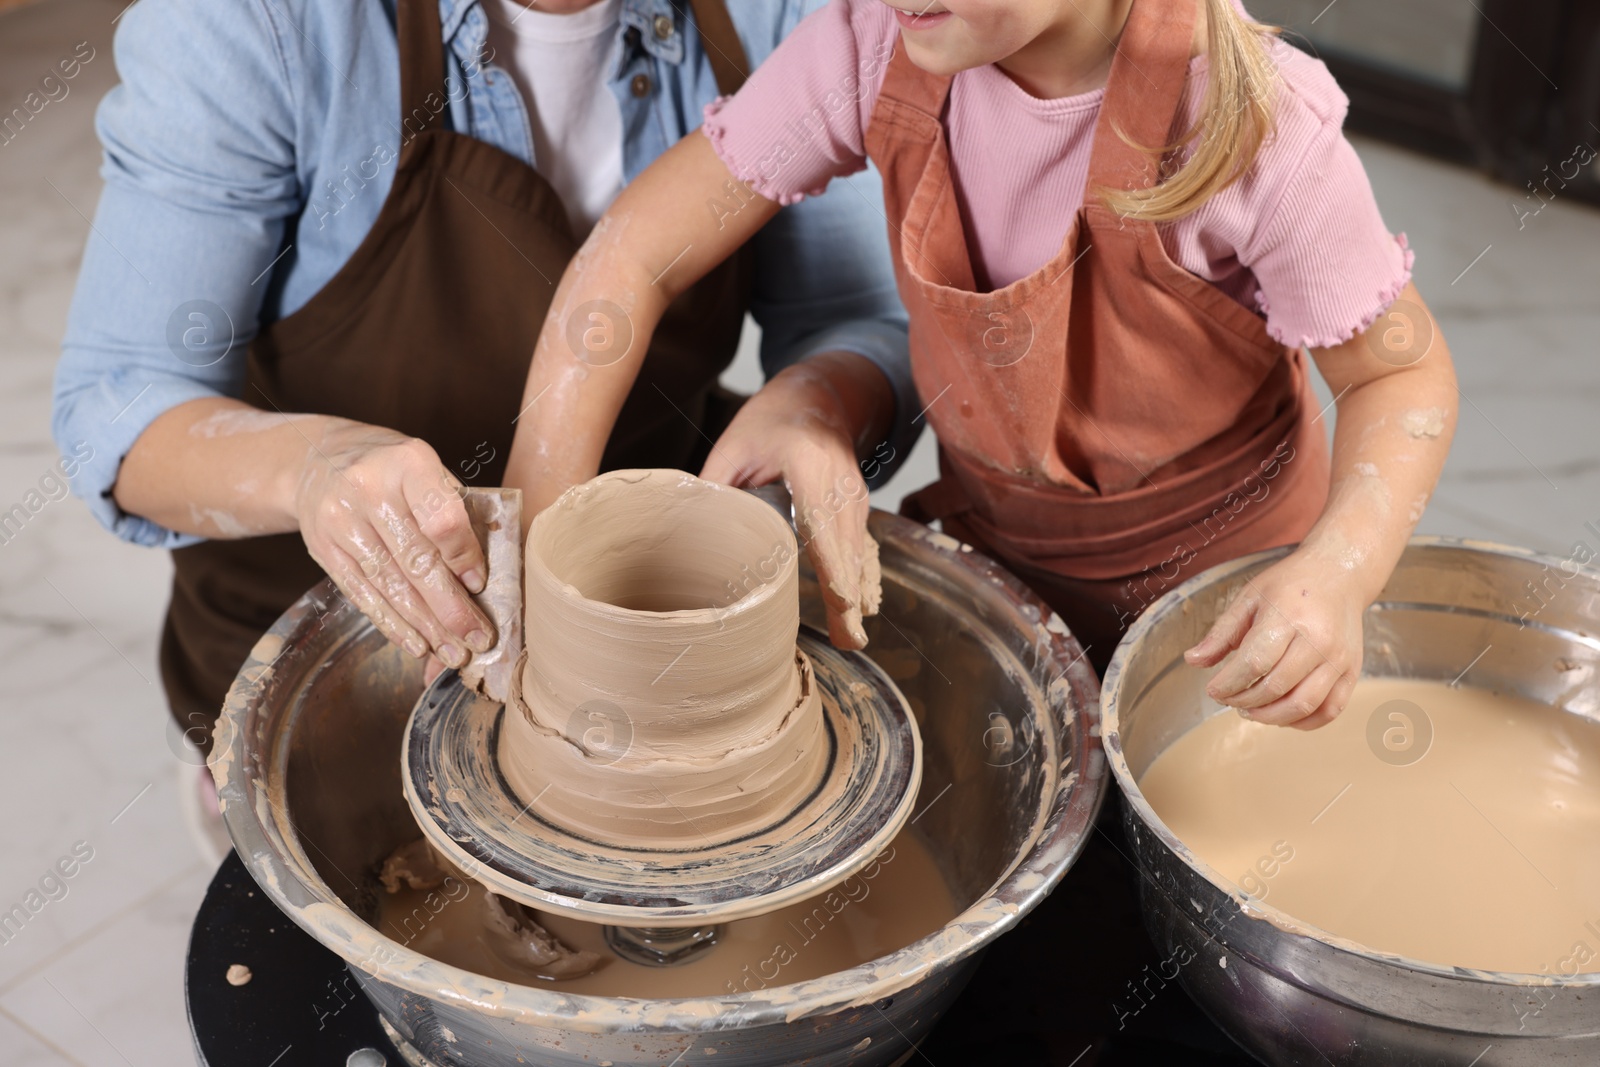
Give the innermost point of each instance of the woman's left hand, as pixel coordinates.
(1290, 645)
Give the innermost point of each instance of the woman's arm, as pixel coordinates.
(202, 179)
(376, 508)
(665, 231)
(1291, 643)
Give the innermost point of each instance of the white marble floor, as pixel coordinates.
(86, 757)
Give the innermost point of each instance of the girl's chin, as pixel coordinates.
(943, 61)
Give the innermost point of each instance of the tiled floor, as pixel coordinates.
(85, 754)
(96, 976)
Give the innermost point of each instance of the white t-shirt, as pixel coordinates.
(560, 62)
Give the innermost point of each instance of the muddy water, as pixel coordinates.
(1454, 826)
(894, 901)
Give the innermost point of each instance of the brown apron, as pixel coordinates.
(428, 329)
(1111, 424)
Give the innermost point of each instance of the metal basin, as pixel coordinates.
(1291, 993)
(308, 768)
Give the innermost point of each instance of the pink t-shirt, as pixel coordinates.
(1297, 238)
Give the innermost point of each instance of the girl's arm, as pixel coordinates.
(661, 235)
(1291, 643)
(658, 238)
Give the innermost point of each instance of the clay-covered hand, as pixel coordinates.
(797, 428)
(1290, 645)
(384, 518)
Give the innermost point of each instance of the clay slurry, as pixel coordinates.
(1478, 852)
(892, 902)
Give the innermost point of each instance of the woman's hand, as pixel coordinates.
(1290, 644)
(376, 508)
(800, 428)
(384, 518)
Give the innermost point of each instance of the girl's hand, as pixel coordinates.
(384, 518)
(798, 428)
(1290, 644)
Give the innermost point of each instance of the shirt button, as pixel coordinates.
(663, 27)
(640, 85)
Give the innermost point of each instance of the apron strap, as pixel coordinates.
(1143, 92)
(422, 55)
(721, 41)
(421, 65)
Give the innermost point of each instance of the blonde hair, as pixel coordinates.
(1236, 117)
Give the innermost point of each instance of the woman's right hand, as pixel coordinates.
(384, 517)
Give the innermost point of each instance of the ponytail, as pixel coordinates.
(1236, 117)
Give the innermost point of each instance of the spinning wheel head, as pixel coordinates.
(470, 813)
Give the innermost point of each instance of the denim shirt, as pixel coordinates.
(251, 143)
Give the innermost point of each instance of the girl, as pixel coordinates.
(1117, 227)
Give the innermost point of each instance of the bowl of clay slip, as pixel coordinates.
(1489, 617)
(309, 770)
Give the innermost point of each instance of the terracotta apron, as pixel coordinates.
(1110, 425)
(428, 329)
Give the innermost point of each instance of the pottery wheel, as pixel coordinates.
(468, 811)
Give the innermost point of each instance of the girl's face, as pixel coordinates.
(946, 36)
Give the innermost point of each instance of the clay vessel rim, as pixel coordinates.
(783, 534)
(571, 595)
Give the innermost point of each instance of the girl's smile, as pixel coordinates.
(923, 18)
(1051, 48)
